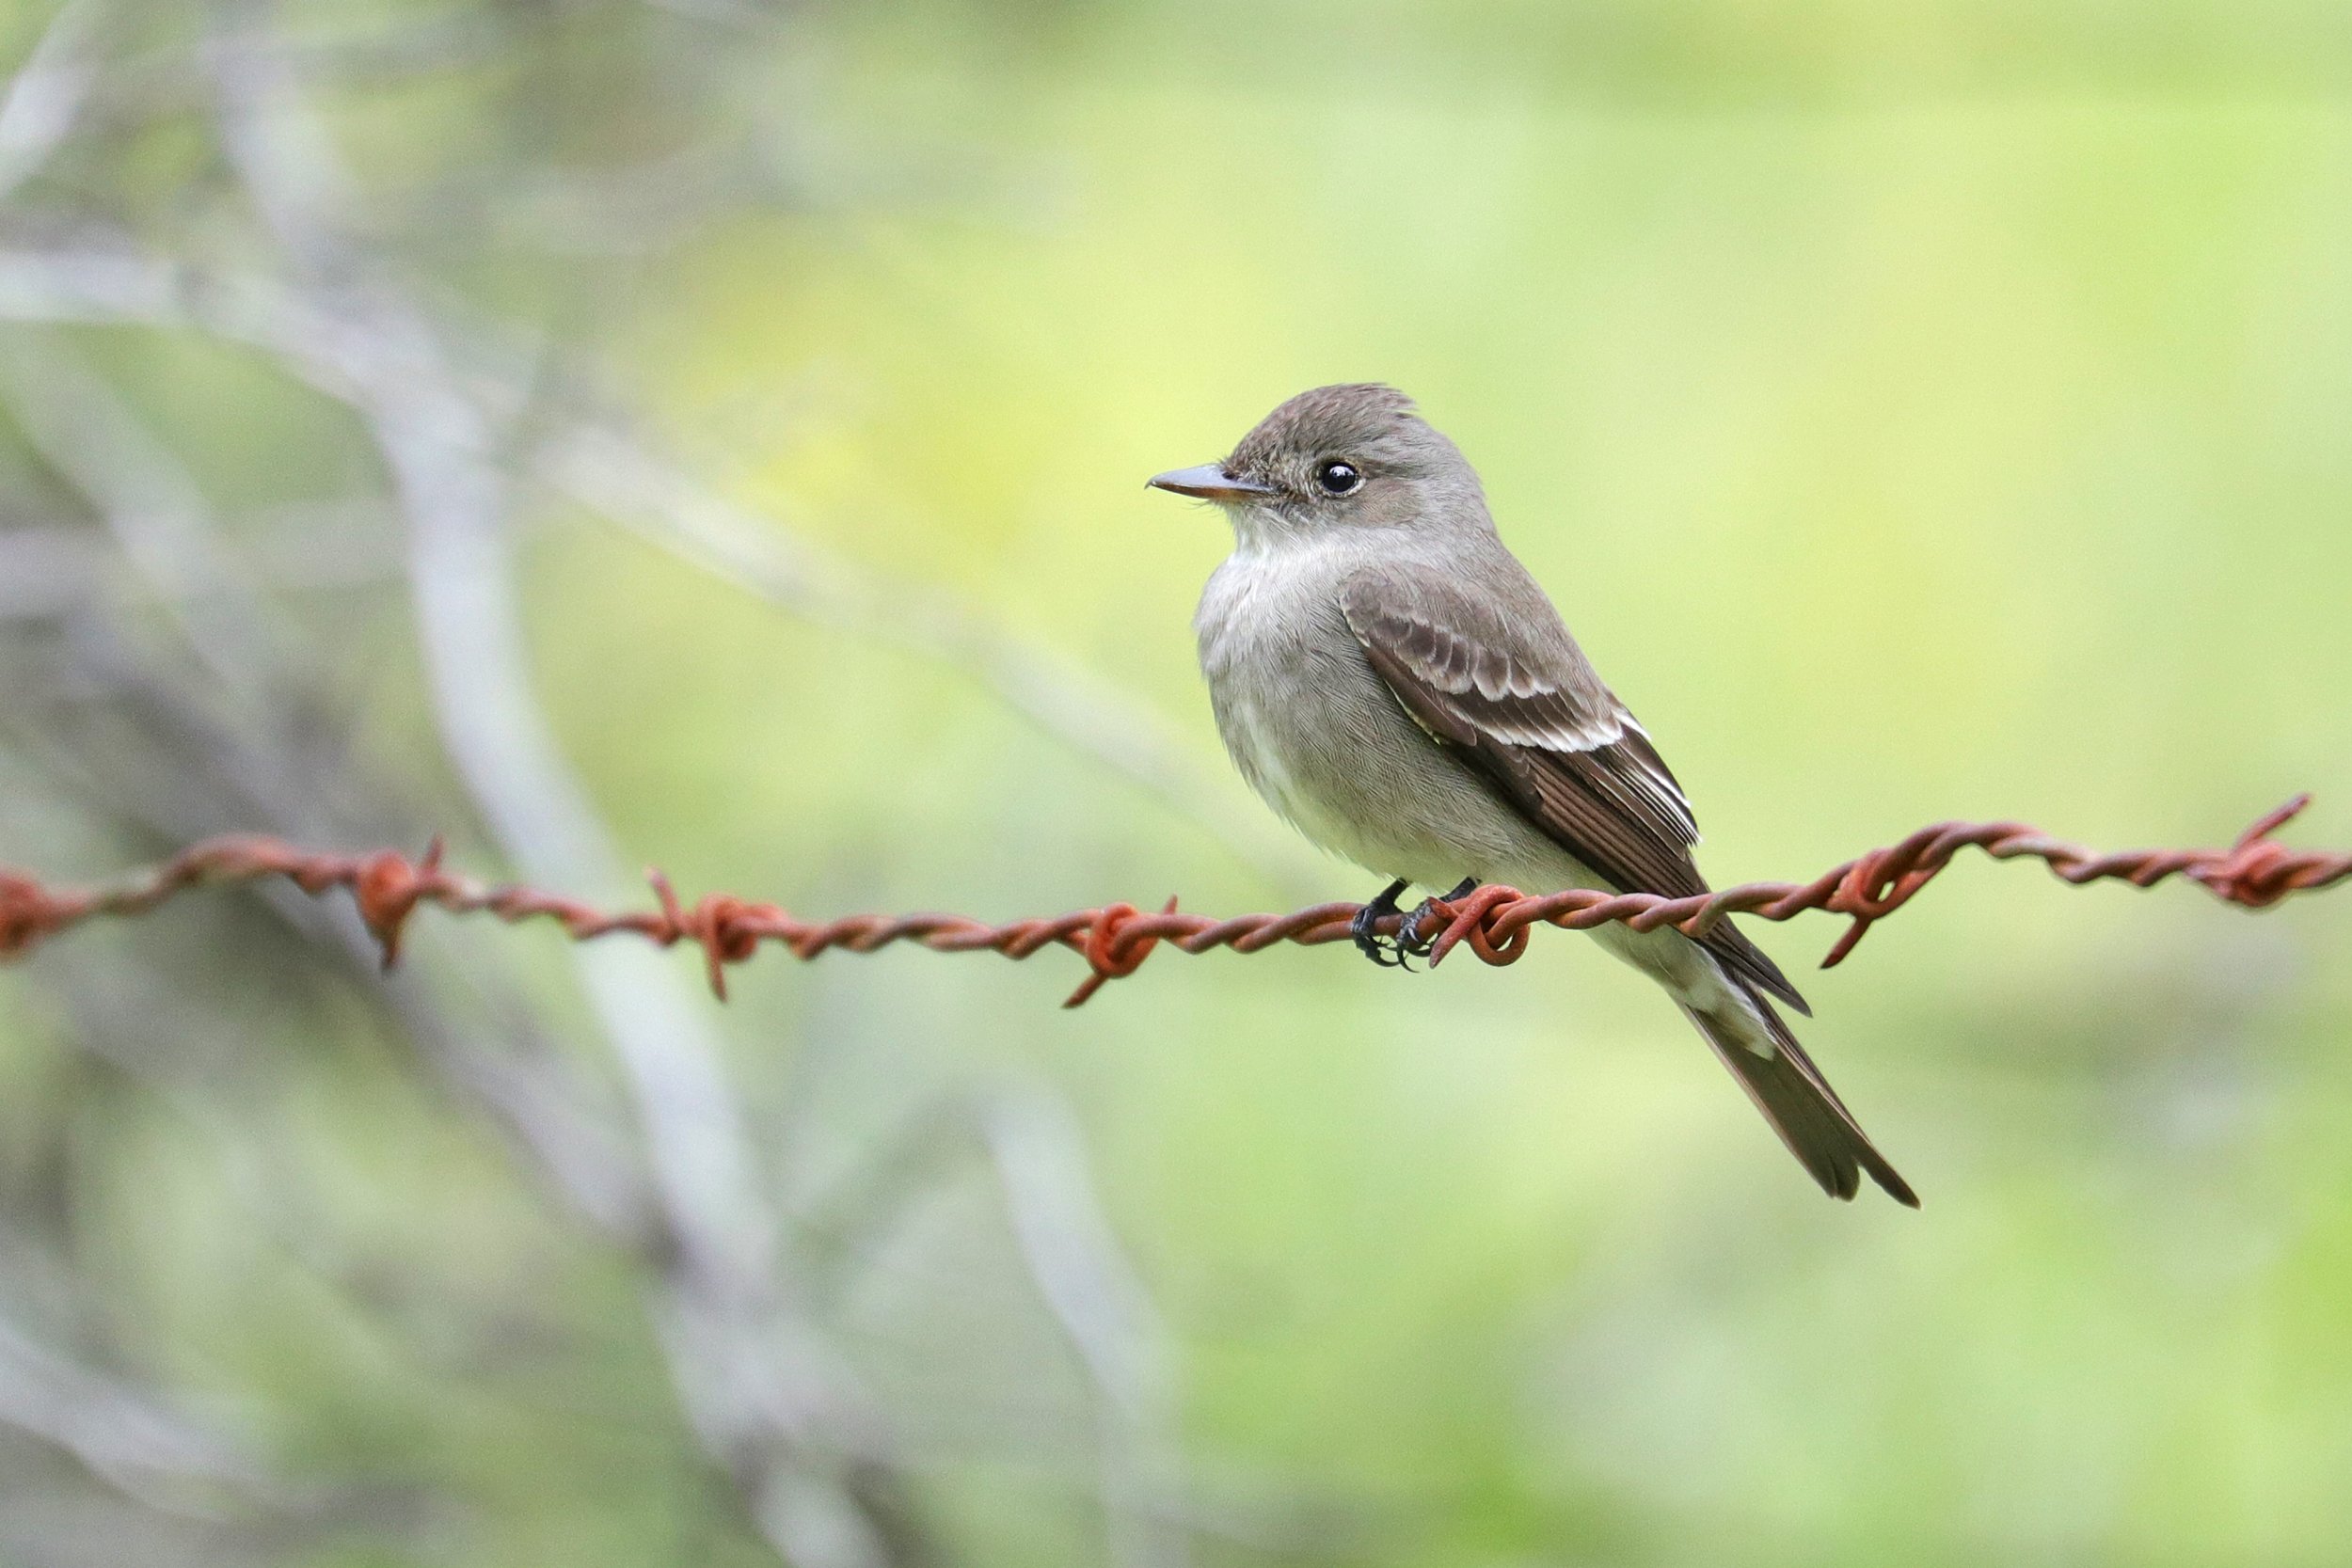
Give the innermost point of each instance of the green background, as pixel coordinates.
(1919, 410)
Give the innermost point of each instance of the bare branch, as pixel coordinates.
(764, 1392)
(47, 92)
(608, 473)
(52, 568)
(128, 1438)
(150, 504)
(1085, 1279)
(596, 467)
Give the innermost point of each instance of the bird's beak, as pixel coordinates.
(1209, 482)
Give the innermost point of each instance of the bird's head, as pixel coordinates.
(1347, 457)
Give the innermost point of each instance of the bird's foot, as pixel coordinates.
(1369, 943)
(1420, 928)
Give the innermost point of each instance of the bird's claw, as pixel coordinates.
(1419, 931)
(1416, 934)
(1383, 950)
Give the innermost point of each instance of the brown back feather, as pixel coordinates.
(1515, 700)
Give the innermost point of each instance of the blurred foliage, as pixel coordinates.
(1921, 409)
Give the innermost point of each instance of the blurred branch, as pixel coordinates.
(356, 49)
(297, 264)
(1086, 1282)
(595, 465)
(48, 571)
(627, 211)
(604, 472)
(55, 569)
(894, 1171)
(47, 92)
(126, 1437)
(149, 502)
(194, 768)
(766, 1394)
(306, 545)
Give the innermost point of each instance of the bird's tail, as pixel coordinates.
(1794, 1095)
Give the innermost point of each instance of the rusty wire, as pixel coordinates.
(1494, 922)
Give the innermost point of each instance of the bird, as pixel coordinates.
(1391, 679)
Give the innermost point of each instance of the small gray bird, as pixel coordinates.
(1387, 675)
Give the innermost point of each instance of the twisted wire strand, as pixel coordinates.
(1493, 922)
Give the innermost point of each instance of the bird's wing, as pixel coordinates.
(1506, 691)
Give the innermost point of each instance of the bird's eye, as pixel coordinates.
(1338, 478)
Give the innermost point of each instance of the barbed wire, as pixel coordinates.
(1493, 922)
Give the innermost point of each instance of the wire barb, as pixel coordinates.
(1494, 922)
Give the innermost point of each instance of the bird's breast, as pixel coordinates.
(1322, 740)
(1267, 640)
